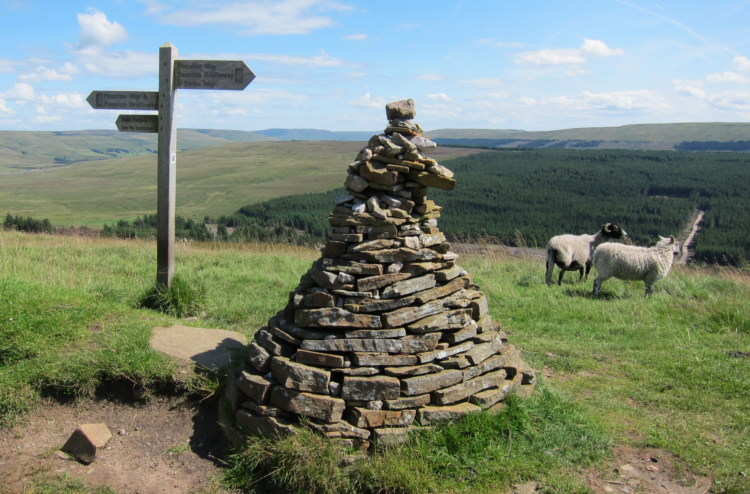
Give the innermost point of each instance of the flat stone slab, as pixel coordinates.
(209, 348)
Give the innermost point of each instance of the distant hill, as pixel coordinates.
(316, 135)
(670, 133)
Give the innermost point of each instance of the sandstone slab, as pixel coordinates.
(413, 386)
(254, 387)
(353, 345)
(300, 377)
(430, 415)
(370, 388)
(265, 426)
(87, 440)
(312, 405)
(336, 318)
(209, 348)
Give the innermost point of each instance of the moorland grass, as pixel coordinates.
(545, 437)
(661, 372)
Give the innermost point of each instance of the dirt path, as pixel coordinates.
(168, 445)
(685, 252)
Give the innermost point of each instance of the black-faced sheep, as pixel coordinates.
(628, 262)
(573, 252)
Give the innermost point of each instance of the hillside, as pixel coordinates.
(210, 181)
(671, 133)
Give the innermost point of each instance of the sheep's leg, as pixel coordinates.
(550, 269)
(581, 276)
(559, 280)
(649, 289)
(597, 286)
(588, 269)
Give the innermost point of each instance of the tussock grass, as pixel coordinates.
(541, 438)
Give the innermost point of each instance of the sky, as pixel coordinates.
(334, 64)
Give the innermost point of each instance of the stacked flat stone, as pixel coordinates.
(385, 332)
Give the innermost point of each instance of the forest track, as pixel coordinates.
(685, 254)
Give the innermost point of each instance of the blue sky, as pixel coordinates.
(333, 64)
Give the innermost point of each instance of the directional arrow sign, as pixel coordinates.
(124, 100)
(212, 74)
(138, 123)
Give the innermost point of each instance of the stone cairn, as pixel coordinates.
(385, 333)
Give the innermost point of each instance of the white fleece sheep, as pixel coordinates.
(628, 262)
(573, 252)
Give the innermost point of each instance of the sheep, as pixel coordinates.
(573, 252)
(628, 262)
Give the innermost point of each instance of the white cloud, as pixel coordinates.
(741, 64)
(620, 100)
(45, 74)
(367, 101)
(46, 119)
(568, 56)
(153, 6)
(262, 17)
(572, 72)
(69, 68)
(527, 101)
(4, 110)
(728, 77)
(693, 88)
(66, 100)
(498, 95)
(121, 64)
(597, 48)
(321, 60)
(439, 96)
(8, 66)
(731, 100)
(356, 36)
(430, 77)
(548, 56)
(20, 91)
(483, 82)
(97, 31)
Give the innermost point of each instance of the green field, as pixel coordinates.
(674, 133)
(210, 181)
(668, 372)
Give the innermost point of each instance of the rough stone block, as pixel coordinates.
(376, 282)
(455, 319)
(487, 398)
(419, 385)
(317, 358)
(353, 345)
(375, 333)
(265, 426)
(370, 388)
(259, 358)
(361, 417)
(382, 359)
(430, 415)
(419, 343)
(443, 354)
(466, 389)
(440, 291)
(300, 377)
(448, 274)
(412, 370)
(338, 318)
(273, 345)
(335, 249)
(404, 403)
(87, 440)
(264, 410)
(479, 308)
(406, 287)
(468, 332)
(255, 387)
(321, 407)
(401, 317)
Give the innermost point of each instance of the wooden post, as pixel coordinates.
(166, 174)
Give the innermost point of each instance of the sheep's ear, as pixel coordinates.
(662, 238)
(672, 239)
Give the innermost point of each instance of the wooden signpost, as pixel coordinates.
(173, 74)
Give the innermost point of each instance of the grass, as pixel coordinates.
(545, 437)
(63, 484)
(656, 372)
(210, 181)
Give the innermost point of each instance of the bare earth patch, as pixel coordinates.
(646, 470)
(169, 445)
